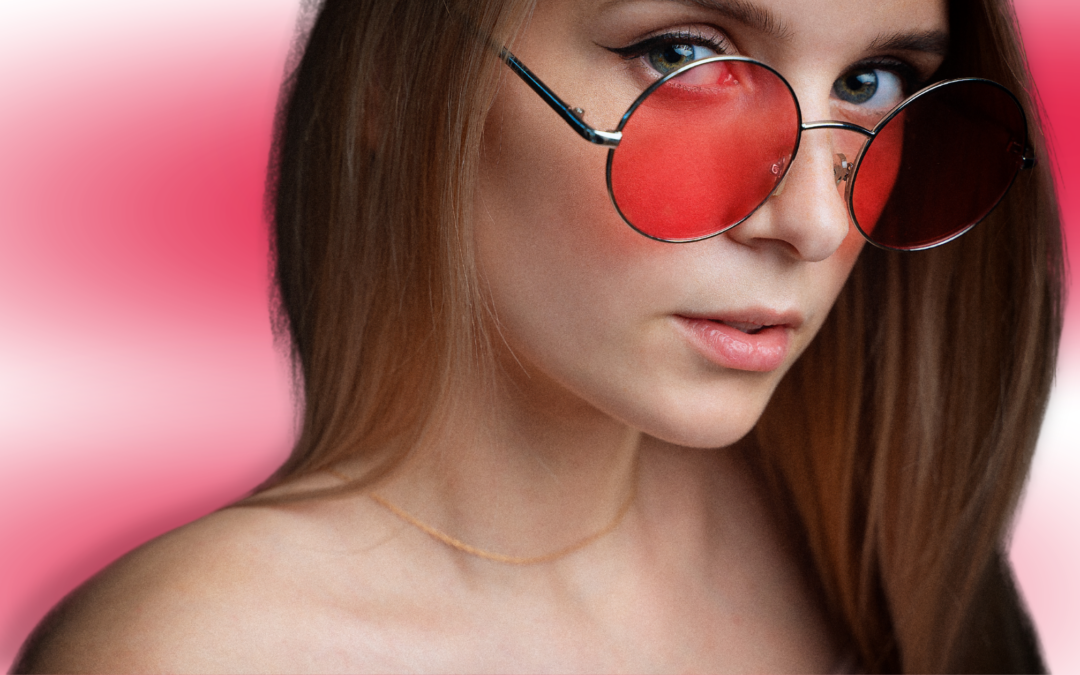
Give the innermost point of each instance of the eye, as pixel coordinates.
(666, 53)
(872, 87)
(665, 58)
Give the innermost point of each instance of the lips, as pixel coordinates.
(755, 341)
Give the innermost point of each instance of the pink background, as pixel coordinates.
(139, 384)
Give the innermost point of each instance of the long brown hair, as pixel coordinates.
(898, 444)
(903, 436)
(375, 155)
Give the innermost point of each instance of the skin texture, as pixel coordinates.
(598, 392)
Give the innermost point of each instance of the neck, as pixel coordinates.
(521, 476)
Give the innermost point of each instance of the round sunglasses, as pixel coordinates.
(706, 145)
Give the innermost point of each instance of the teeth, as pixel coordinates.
(750, 328)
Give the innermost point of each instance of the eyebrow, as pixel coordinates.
(755, 16)
(762, 19)
(931, 42)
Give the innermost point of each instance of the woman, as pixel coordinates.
(513, 401)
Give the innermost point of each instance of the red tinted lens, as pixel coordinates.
(940, 166)
(703, 150)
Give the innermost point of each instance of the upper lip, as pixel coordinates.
(755, 316)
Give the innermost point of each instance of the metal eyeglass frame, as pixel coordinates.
(843, 170)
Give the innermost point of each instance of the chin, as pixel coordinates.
(701, 426)
(718, 436)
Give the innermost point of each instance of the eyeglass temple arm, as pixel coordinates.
(572, 116)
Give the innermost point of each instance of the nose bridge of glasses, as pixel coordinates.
(835, 124)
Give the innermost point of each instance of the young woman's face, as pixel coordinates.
(685, 342)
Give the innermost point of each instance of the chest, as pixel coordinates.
(637, 627)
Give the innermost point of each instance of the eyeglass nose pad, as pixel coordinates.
(777, 168)
(841, 168)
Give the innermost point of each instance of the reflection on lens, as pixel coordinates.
(703, 150)
(937, 168)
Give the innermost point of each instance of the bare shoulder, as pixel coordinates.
(243, 589)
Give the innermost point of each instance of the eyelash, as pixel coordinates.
(907, 73)
(684, 37)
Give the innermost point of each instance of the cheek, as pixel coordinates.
(574, 289)
(546, 226)
(534, 165)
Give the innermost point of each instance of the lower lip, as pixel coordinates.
(729, 347)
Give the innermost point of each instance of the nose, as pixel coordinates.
(806, 217)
